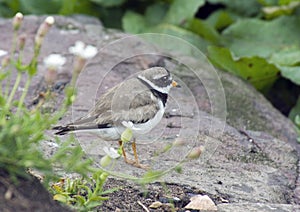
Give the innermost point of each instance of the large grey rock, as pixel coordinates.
(250, 157)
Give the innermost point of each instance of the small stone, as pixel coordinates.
(118, 210)
(155, 205)
(200, 202)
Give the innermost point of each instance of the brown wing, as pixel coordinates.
(129, 101)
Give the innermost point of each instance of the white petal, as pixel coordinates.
(2, 52)
(127, 124)
(50, 20)
(89, 52)
(54, 61)
(77, 49)
(111, 152)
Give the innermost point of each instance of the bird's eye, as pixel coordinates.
(165, 78)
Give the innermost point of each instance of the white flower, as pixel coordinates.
(2, 52)
(83, 51)
(50, 20)
(17, 21)
(54, 61)
(111, 152)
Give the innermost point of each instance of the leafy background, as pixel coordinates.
(258, 40)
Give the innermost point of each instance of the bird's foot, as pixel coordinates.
(137, 164)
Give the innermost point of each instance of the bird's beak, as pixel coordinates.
(175, 84)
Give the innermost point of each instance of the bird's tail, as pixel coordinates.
(62, 130)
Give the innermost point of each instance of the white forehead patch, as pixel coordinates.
(152, 85)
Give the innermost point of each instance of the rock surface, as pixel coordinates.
(251, 155)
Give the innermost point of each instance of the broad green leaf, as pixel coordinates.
(291, 73)
(243, 7)
(155, 13)
(186, 35)
(77, 6)
(295, 111)
(40, 7)
(220, 19)
(275, 11)
(286, 57)
(112, 16)
(134, 23)
(182, 10)
(79, 199)
(203, 29)
(109, 3)
(11, 7)
(61, 198)
(256, 70)
(268, 2)
(253, 37)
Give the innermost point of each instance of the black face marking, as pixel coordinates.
(162, 96)
(163, 81)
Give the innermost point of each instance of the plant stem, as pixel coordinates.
(25, 91)
(12, 93)
(12, 53)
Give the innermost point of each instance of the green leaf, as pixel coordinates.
(134, 23)
(179, 32)
(37, 7)
(256, 70)
(181, 10)
(286, 57)
(10, 8)
(108, 3)
(109, 20)
(253, 37)
(61, 198)
(220, 19)
(277, 41)
(275, 11)
(295, 111)
(79, 199)
(77, 6)
(243, 7)
(291, 73)
(155, 13)
(204, 30)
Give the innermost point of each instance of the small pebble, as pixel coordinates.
(155, 205)
(200, 202)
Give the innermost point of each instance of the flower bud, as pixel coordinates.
(103, 176)
(179, 142)
(17, 21)
(50, 76)
(105, 161)
(22, 40)
(5, 62)
(79, 64)
(195, 152)
(43, 29)
(126, 135)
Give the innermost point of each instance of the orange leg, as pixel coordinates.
(133, 145)
(136, 162)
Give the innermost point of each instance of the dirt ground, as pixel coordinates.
(28, 194)
(131, 197)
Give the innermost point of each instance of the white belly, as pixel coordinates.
(149, 125)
